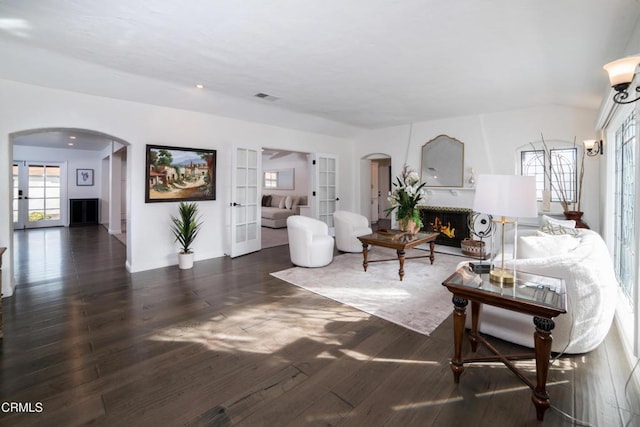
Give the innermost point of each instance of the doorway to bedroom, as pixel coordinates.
(286, 184)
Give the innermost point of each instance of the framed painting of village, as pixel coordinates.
(176, 174)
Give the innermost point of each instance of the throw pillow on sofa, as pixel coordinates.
(288, 202)
(545, 245)
(266, 200)
(568, 223)
(282, 202)
(550, 228)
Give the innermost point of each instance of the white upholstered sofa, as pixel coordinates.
(587, 269)
(277, 208)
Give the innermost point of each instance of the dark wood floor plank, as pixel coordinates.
(227, 344)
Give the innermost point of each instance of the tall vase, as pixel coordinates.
(577, 217)
(407, 224)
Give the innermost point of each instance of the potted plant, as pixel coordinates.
(185, 228)
(404, 199)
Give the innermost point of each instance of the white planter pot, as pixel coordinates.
(185, 261)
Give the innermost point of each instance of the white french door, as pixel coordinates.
(326, 187)
(38, 190)
(245, 206)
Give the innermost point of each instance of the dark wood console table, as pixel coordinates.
(539, 296)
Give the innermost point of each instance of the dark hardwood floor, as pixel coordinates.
(227, 344)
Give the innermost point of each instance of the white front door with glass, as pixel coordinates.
(37, 194)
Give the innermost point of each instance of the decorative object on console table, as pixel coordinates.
(481, 226)
(505, 196)
(404, 199)
(577, 217)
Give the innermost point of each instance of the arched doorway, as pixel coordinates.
(54, 167)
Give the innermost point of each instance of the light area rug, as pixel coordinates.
(419, 302)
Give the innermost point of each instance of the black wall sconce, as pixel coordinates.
(593, 147)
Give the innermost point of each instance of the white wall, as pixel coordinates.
(74, 159)
(299, 162)
(490, 142)
(149, 242)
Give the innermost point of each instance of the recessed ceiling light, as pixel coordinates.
(266, 96)
(70, 144)
(72, 137)
(200, 86)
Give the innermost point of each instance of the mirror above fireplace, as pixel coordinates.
(443, 162)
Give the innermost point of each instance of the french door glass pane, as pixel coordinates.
(15, 192)
(625, 249)
(44, 193)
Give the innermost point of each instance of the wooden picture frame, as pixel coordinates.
(84, 177)
(176, 174)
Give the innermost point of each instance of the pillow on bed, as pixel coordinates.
(545, 245)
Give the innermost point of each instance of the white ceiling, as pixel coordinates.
(64, 139)
(333, 64)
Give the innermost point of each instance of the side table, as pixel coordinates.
(539, 296)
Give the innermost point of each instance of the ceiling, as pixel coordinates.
(334, 66)
(63, 139)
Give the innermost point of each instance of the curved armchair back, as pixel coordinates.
(349, 226)
(309, 242)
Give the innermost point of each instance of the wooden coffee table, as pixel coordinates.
(398, 240)
(542, 297)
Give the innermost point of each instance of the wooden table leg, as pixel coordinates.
(473, 336)
(365, 251)
(401, 259)
(432, 246)
(459, 318)
(542, 341)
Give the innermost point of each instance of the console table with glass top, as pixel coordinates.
(539, 296)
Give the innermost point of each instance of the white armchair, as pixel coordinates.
(310, 244)
(348, 227)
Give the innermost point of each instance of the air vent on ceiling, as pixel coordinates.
(266, 96)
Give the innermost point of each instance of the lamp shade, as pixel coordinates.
(621, 71)
(510, 196)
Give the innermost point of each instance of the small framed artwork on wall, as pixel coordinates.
(84, 177)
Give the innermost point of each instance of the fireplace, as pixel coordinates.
(451, 223)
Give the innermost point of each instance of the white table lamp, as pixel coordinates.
(505, 196)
